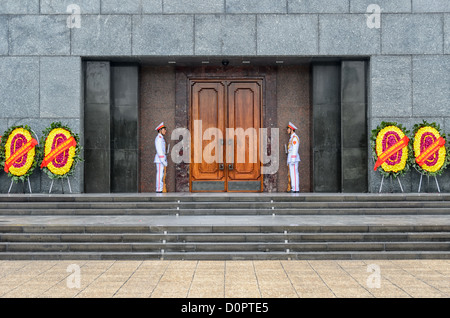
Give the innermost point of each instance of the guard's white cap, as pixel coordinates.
(292, 126)
(160, 126)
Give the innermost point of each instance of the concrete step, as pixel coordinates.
(328, 255)
(226, 197)
(220, 229)
(268, 247)
(224, 205)
(225, 237)
(213, 211)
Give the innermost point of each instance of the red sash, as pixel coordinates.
(20, 153)
(430, 151)
(55, 152)
(390, 151)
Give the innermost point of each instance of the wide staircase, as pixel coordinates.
(224, 226)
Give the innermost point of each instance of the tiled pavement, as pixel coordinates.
(225, 279)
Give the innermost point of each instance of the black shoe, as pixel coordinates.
(158, 191)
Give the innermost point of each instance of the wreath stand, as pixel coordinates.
(390, 177)
(62, 183)
(399, 183)
(29, 186)
(420, 182)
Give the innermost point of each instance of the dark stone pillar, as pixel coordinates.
(354, 126)
(124, 134)
(97, 128)
(326, 99)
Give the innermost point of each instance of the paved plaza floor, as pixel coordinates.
(226, 279)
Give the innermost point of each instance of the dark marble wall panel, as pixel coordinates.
(97, 128)
(124, 122)
(354, 126)
(326, 127)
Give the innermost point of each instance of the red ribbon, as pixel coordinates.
(20, 153)
(430, 151)
(390, 151)
(55, 152)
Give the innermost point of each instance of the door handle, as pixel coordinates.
(230, 166)
(221, 167)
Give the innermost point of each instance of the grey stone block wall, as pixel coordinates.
(102, 35)
(225, 34)
(41, 57)
(287, 34)
(412, 34)
(347, 34)
(38, 35)
(60, 6)
(387, 6)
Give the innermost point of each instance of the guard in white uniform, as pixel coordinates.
(160, 157)
(293, 158)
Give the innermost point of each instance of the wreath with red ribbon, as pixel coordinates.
(19, 154)
(390, 151)
(61, 151)
(431, 156)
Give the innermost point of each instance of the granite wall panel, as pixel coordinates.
(256, 6)
(19, 87)
(102, 35)
(60, 91)
(39, 35)
(287, 35)
(412, 34)
(318, 6)
(61, 6)
(225, 35)
(163, 35)
(431, 85)
(391, 84)
(347, 34)
(386, 6)
(19, 7)
(435, 6)
(194, 6)
(4, 45)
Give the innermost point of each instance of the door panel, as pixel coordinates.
(244, 120)
(225, 122)
(208, 113)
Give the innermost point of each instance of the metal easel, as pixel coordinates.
(62, 186)
(392, 186)
(29, 186)
(399, 183)
(420, 182)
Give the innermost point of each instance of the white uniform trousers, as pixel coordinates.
(293, 173)
(159, 177)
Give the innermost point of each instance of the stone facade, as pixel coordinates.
(42, 53)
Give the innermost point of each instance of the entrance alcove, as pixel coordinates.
(326, 99)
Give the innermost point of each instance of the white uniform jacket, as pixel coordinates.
(160, 146)
(293, 146)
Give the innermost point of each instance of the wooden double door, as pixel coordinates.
(225, 127)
